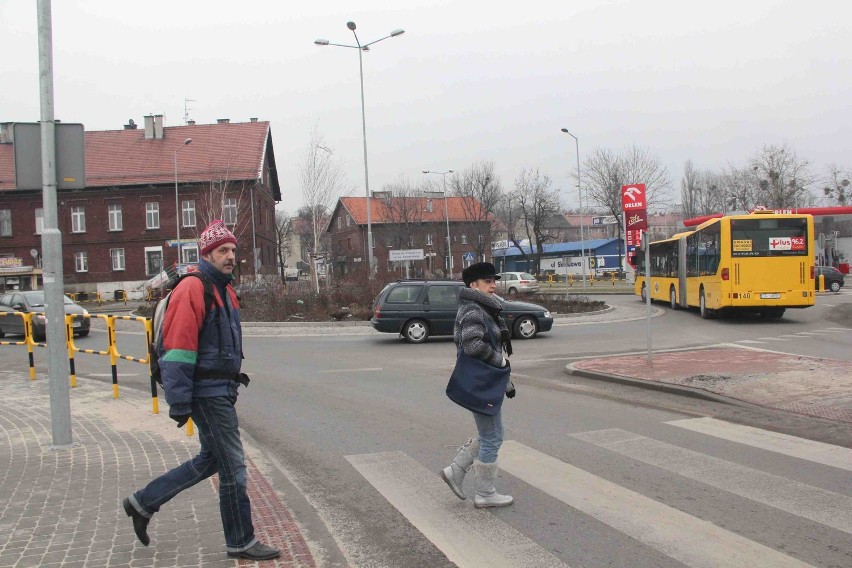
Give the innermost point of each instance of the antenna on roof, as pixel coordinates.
(186, 109)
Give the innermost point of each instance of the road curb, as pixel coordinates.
(681, 390)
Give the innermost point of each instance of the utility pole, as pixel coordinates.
(51, 242)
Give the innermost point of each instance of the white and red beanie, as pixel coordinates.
(215, 235)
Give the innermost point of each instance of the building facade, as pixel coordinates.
(409, 223)
(149, 193)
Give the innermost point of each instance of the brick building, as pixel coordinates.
(122, 229)
(408, 222)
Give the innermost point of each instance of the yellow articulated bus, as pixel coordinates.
(760, 262)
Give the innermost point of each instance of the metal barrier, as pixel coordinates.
(28, 338)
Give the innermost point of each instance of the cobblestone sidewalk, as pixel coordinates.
(62, 507)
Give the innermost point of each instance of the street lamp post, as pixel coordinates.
(360, 48)
(447, 215)
(178, 212)
(580, 197)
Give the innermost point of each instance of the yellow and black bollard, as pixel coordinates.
(69, 342)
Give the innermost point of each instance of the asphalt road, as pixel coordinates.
(603, 475)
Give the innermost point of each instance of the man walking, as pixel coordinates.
(200, 367)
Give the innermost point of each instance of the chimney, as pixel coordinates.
(130, 125)
(149, 127)
(253, 119)
(6, 132)
(223, 120)
(190, 122)
(158, 126)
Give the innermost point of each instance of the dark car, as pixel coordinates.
(33, 302)
(417, 309)
(833, 277)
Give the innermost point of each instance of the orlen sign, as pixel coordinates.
(633, 197)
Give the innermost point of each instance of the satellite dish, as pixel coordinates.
(34, 253)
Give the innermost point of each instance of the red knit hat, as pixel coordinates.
(215, 235)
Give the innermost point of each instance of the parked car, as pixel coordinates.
(514, 283)
(833, 277)
(416, 309)
(33, 302)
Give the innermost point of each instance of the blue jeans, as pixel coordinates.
(490, 430)
(222, 452)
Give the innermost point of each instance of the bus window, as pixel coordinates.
(769, 237)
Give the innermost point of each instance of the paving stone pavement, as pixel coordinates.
(62, 506)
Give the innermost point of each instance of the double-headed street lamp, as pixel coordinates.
(447, 215)
(580, 197)
(360, 48)
(178, 212)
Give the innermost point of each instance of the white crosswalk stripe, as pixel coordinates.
(773, 441)
(826, 507)
(468, 537)
(688, 539)
(472, 538)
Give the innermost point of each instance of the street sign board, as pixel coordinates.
(70, 155)
(469, 255)
(633, 197)
(607, 220)
(406, 254)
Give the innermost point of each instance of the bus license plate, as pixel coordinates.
(773, 296)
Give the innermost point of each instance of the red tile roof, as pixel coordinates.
(232, 151)
(357, 208)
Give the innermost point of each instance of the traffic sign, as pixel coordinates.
(469, 256)
(406, 254)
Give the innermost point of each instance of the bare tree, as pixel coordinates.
(689, 189)
(508, 212)
(321, 180)
(605, 172)
(482, 191)
(836, 185)
(701, 192)
(782, 179)
(283, 238)
(538, 203)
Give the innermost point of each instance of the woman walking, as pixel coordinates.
(481, 338)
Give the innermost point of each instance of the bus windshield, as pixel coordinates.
(769, 237)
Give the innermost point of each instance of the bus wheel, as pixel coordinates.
(673, 298)
(772, 313)
(705, 312)
(644, 294)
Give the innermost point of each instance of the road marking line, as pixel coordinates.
(352, 370)
(817, 452)
(469, 538)
(826, 507)
(774, 339)
(750, 341)
(685, 538)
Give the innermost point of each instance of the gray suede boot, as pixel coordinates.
(454, 473)
(486, 495)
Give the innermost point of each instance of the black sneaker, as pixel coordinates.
(140, 522)
(257, 552)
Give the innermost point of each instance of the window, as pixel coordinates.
(117, 256)
(429, 205)
(464, 239)
(229, 211)
(81, 261)
(153, 260)
(39, 221)
(429, 240)
(190, 252)
(348, 221)
(78, 219)
(339, 221)
(442, 295)
(152, 215)
(403, 295)
(5, 222)
(187, 217)
(114, 213)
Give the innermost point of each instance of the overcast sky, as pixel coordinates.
(468, 81)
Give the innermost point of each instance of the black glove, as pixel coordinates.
(181, 419)
(510, 390)
(243, 379)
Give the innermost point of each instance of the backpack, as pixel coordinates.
(156, 347)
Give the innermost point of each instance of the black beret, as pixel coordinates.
(479, 270)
